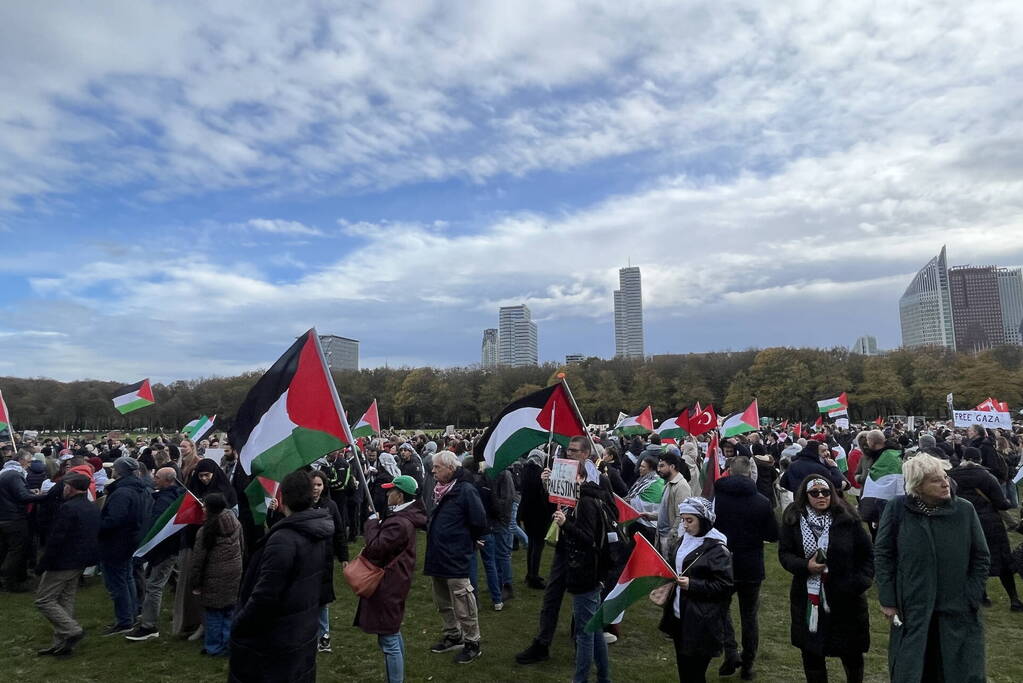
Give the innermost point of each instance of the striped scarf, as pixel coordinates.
(816, 529)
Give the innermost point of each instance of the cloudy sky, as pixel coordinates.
(185, 187)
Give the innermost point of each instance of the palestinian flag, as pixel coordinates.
(184, 511)
(798, 430)
(703, 421)
(525, 424)
(645, 571)
(884, 479)
(841, 459)
(5, 420)
(712, 467)
(290, 418)
(259, 493)
(133, 397)
(626, 513)
(834, 407)
(675, 427)
(637, 424)
(197, 428)
(819, 423)
(740, 423)
(368, 424)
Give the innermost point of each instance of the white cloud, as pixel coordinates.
(282, 227)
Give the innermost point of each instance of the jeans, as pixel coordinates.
(218, 630)
(156, 580)
(552, 597)
(324, 622)
(748, 593)
(502, 555)
(494, 582)
(590, 648)
(119, 578)
(513, 526)
(393, 647)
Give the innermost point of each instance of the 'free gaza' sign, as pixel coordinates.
(965, 418)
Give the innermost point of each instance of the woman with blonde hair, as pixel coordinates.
(188, 458)
(931, 563)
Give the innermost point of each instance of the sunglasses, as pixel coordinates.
(819, 493)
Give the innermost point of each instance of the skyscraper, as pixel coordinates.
(516, 337)
(925, 309)
(1010, 291)
(628, 303)
(489, 352)
(341, 353)
(865, 345)
(976, 307)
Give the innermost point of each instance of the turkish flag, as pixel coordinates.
(705, 421)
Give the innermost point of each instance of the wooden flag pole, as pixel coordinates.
(579, 415)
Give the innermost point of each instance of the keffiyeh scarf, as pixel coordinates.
(816, 528)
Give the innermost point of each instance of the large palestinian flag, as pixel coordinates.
(5, 420)
(197, 428)
(645, 571)
(637, 424)
(368, 424)
(675, 427)
(884, 479)
(289, 418)
(184, 511)
(133, 397)
(525, 424)
(740, 423)
(834, 407)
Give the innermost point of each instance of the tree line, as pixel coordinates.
(786, 381)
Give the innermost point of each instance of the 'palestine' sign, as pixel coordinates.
(965, 418)
(562, 486)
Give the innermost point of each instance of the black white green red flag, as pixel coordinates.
(259, 493)
(645, 571)
(184, 511)
(5, 420)
(740, 423)
(527, 423)
(369, 423)
(132, 397)
(636, 424)
(676, 427)
(198, 428)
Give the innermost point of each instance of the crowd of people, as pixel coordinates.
(258, 591)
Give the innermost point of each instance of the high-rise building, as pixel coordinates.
(489, 353)
(925, 309)
(574, 358)
(628, 304)
(1010, 292)
(865, 345)
(516, 337)
(976, 308)
(341, 353)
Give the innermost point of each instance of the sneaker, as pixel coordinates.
(729, 666)
(324, 644)
(610, 638)
(498, 606)
(115, 630)
(469, 652)
(140, 633)
(447, 644)
(199, 633)
(52, 650)
(536, 652)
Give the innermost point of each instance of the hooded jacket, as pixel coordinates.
(124, 518)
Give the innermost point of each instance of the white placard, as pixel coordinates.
(842, 423)
(562, 488)
(984, 418)
(214, 454)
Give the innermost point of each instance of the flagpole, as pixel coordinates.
(342, 419)
(578, 414)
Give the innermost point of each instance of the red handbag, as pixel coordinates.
(363, 576)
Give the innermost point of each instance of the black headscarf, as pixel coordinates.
(219, 484)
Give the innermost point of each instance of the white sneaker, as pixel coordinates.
(199, 632)
(610, 638)
(498, 606)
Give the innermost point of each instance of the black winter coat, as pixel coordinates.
(124, 518)
(456, 523)
(275, 629)
(703, 607)
(767, 474)
(977, 485)
(14, 496)
(535, 510)
(163, 499)
(73, 541)
(807, 462)
(581, 539)
(746, 518)
(850, 560)
(990, 458)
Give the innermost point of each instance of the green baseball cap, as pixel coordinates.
(403, 483)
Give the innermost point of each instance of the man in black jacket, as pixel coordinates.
(122, 525)
(14, 530)
(746, 518)
(72, 546)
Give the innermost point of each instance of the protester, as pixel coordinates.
(217, 572)
(274, 636)
(497, 495)
(536, 510)
(188, 458)
(815, 458)
(123, 524)
(932, 566)
(339, 547)
(746, 518)
(697, 608)
(391, 544)
(14, 530)
(457, 523)
(645, 497)
(676, 489)
(826, 549)
(73, 546)
(409, 463)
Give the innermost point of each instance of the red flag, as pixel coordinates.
(1003, 407)
(820, 422)
(798, 429)
(705, 421)
(988, 405)
(879, 421)
(784, 424)
(626, 513)
(713, 472)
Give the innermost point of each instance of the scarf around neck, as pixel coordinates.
(816, 531)
(439, 490)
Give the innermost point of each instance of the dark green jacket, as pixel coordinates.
(927, 566)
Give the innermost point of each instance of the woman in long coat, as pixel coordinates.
(932, 564)
(827, 601)
(217, 572)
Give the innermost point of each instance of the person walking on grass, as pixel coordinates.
(73, 545)
(217, 572)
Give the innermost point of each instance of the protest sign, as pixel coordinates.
(985, 418)
(842, 423)
(563, 488)
(29, 434)
(450, 429)
(214, 454)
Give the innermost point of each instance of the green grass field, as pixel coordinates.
(642, 654)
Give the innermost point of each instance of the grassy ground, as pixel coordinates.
(641, 655)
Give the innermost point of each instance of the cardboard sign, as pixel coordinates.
(965, 418)
(562, 488)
